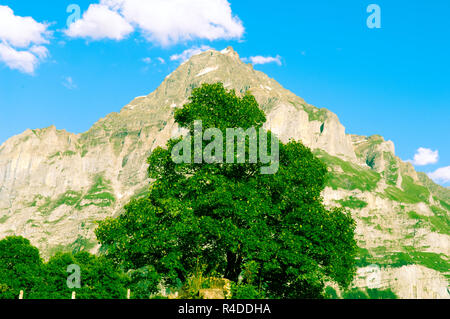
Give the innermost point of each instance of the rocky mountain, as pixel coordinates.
(55, 185)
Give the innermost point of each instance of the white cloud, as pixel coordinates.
(100, 22)
(147, 60)
(21, 32)
(425, 156)
(23, 61)
(187, 54)
(264, 60)
(69, 83)
(161, 60)
(441, 175)
(165, 22)
(21, 41)
(40, 51)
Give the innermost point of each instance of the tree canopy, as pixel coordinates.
(270, 232)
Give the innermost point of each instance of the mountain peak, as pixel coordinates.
(230, 52)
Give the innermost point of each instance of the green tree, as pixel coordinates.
(229, 216)
(20, 267)
(144, 282)
(100, 278)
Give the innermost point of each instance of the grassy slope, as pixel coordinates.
(348, 176)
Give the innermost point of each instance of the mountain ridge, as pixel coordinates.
(55, 184)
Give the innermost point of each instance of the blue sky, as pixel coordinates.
(393, 81)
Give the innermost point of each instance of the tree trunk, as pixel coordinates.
(233, 268)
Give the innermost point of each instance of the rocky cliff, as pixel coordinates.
(54, 185)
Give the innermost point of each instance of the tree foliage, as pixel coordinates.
(226, 216)
(100, 279)
(21, 268)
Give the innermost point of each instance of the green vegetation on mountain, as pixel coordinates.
(353, 203)
(391, 172)
(347, 175)
(410, 256)
(438, 262)
(412, 193)
(69, 198)
(62, 154)
(3, 219)
(100, 194)
(439, 223)
(315, 114)
(437, 190)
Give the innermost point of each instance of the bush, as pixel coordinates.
(381, 294)
(246, 292)
(355, 293)
(143, 282)
(330, 293)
